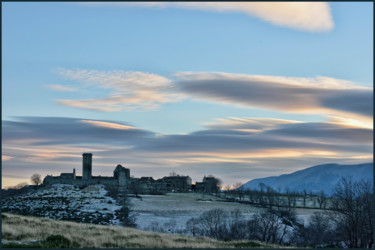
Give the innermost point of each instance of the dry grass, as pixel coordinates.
(16, 228)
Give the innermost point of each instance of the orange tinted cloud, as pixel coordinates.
(108, 125)
(6, 157)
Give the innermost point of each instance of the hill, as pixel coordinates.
(316, 179)
(25, 231)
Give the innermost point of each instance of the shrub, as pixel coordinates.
(56, 241)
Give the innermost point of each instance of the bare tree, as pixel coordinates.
(173, 173)
(352, 213)
(238, 187)
(219, 185)
(226, 190)
(270, 193)
(213, 223)
(312, 198)
(267, 227)
(262, 188)
(36, 179)
(289, 197)
(319, 232)
(237, 228)
(322, 200)
(250, 192)
(304, 197)
(278, 199)
(218, 224)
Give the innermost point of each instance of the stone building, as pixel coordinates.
(208, 185)
(178, 183)
(121, 179)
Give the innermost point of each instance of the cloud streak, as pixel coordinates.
(321, 95)
(304, 16)
(250, 147)
(127, 90)
(58, 87)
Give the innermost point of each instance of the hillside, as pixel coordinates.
(25, 231)
(316, 179)
(66, 202)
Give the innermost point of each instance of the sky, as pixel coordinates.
(238, 90)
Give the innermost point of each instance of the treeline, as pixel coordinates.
(267, 197)
(348, 223)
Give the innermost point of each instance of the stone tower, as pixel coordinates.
(86, 166)
(121, 174)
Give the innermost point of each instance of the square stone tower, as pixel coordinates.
(86, 166)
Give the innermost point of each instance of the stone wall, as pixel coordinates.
(49, 180)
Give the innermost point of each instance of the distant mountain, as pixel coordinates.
(317, 178)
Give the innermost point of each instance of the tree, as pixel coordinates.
(36, 179)
(319, 231)
(270, 193)
(322, 200)
(262, 188)
(173, 173)
(218, 224)
(268, 227)
(219, 185)
(238, 187)
(124, 214)
(304, 197)
(226, 190)
(237, 228)
(352, 212)
(212, 223)
(278, 199)
(289, 197)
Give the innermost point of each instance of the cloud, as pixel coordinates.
(132, 91)
(6, 158)
(110, 125)
(127, 90)
(58, 87)
(320, 95)
(305, 16)
(248, 124)
(249, 147)
(68, 131)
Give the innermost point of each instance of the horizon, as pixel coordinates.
(239, 91)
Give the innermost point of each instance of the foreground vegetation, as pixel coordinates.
(25, 231)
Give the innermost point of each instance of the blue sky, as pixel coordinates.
(173, 70)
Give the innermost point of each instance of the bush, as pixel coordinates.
(126, 217)
(57, 241)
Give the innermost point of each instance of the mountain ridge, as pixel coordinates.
(315, 179)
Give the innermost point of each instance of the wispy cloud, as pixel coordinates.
(248, 124)
(110, 125)
(132, 91)
(305, 16)
(58, 87)
(321, 95)
(250, 147)
(128, 90)
(6, 158)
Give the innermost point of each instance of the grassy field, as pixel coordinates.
(24, 231)
(180, 207)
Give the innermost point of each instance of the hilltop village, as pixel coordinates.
(121, 179)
